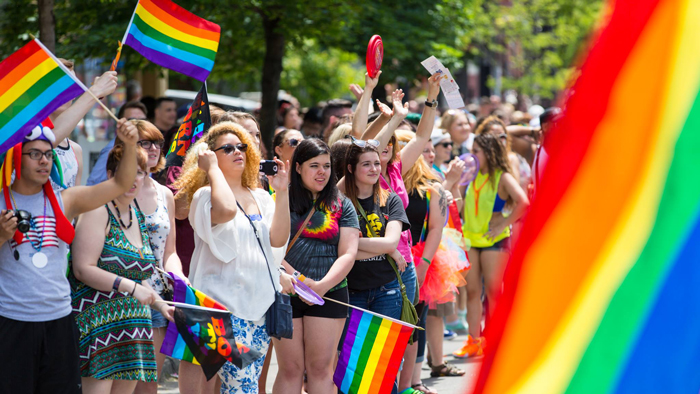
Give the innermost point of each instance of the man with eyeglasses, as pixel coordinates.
(130, 110)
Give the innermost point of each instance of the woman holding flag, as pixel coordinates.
(228, 213)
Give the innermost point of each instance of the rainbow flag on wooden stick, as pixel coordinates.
(371, 355)
(601, 293)
(172, 37)
(33, 84)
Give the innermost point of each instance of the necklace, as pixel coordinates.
(477, 191)
(119, 216)
(39, 259)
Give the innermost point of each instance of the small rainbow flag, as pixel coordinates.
(33, 84)
(173, 344)
(371, 355)
(172, 37)
(602, 293)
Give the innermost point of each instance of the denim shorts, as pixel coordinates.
(500, 246)
(157, 319)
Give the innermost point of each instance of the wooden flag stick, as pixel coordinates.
(374, 313)
(102, 105)
(204, 308)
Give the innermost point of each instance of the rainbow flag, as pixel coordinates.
(602, 293)
(371, 355)
(33, 84)
(172, 37)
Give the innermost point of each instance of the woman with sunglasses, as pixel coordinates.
(111, 311)
(322, 255)
(285, 143)
(157, 204)
(487, 227)
(228, 263)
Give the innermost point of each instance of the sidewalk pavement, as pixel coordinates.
(443, 385)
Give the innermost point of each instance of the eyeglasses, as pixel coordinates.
(445, 144)
(148, 144)
(293, 142)
(228, 148)
(36, 154)
(363, 143)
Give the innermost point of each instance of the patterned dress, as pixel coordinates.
(116, 338)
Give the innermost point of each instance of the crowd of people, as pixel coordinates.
(368, 207)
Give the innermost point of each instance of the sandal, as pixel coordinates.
(420, 387)
(445, 370)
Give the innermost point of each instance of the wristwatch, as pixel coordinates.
(431, 104)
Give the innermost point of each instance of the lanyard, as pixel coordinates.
(477, 191)
(374, 235)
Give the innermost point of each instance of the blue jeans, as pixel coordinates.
(385, 300)
(411, 282)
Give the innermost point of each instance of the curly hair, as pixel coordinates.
(193, 178)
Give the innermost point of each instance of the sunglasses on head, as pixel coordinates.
(228, 148)
(363, 143)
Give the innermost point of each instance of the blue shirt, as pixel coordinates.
(99, 170)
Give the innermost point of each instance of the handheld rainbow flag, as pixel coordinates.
(194, 125)
(371, 355)
(172, 37)
(601, 293)
(33, 84)
(203, 337)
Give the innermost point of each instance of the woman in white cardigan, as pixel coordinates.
(228, 263)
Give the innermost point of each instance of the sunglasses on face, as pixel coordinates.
(445, 144)
(148, 144)
(228, 148)
(35, 154)
(293, 142)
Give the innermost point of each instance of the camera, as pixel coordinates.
(268, 167)
(24, 220)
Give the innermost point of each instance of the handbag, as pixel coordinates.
(408, 311)
(278, 318)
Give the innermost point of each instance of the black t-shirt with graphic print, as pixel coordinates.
(376, 271)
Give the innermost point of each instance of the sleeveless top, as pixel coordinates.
(480, 202)
(158, 228)
(69, 165)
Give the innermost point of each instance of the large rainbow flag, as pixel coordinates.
(33, 84)
(172, 37)
(371, 354)
(602, 293)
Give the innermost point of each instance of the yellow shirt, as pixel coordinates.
(478, 210)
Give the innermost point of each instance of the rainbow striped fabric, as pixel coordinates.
(173, 344)
(602, 293)
(33, 84)
(172, 37)
(371, 354)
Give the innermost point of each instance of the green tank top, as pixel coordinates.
(478, 209)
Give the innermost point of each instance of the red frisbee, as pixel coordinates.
(375, 55)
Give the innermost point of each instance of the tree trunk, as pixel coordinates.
(47, 24)
(272, 71)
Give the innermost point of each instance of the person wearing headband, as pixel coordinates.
(36, 324)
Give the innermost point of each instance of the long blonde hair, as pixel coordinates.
(193, 178)
(420, 176)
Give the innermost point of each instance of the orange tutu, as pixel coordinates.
(444, 275)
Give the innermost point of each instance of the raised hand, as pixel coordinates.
(434, 86)
(207, 160)
(280, 181)
(385, 110)
(400, 109)
(105, 84)
(371, 83)
(454, 171)
(127, 132)
(356, 90)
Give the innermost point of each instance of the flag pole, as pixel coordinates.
(76, 80)
(203, 308)
(374, 313)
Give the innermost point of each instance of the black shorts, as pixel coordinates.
(39, 357)
(329, 309)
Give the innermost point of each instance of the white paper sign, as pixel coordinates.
(447, 82)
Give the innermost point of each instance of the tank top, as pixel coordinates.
(479, 205)
(158, 228)
(416, 213)
(69, 165)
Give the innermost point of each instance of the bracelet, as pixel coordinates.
(426, 260)
(457, 199)
(116, 284)
(134, 289)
